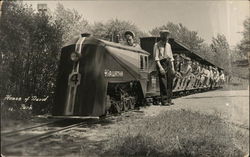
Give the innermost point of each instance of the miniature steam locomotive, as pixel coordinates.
(97, 77)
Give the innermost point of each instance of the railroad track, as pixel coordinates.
(9, 133)
(22, 136)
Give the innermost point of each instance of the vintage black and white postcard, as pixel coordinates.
(124, 78)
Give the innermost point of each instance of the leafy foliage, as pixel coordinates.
(70, 22)
(222, 51)
(30, 45)
(182, 34)
(113, 28)
(244, 45)
(219, 43)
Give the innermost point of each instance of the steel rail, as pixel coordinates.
(45, 134)
(28, 128)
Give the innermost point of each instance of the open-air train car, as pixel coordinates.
(147, 43)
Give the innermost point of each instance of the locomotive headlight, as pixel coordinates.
(74, 56)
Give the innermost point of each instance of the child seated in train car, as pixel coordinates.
(196, 72)
(221, 77)
(211, 74)
(182, 61)
(216, 76)
(196, 68)
(193, 66)
(191, 76)
(186, 71)
(177, 64)
(186, 68)
(202, 75)
(205, 75)
(199, 75)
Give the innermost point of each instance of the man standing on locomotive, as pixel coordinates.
(165, 67)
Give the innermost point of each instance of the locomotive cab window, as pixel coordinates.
(146, 62)
(143, 62)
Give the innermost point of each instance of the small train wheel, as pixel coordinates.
(115, 107)
(126, 105)
(132, 105)
(103, 116)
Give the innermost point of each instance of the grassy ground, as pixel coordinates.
(242, 72)
(179, 133)
(175, 132)
(170, 133)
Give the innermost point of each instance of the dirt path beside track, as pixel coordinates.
(231, 105)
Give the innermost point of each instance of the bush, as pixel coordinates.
(29, 47)
(178, 133)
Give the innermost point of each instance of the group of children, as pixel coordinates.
(200, 75)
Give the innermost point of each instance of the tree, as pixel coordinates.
(15, 21)
(70, 23)
(206, 52)
(113, 28)
(29, 45)
(221, 49)
(182, 34)
(219, 43)
(244, 46)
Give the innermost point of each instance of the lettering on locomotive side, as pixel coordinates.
(111, 73)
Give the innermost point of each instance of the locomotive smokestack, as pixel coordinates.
(85, 35)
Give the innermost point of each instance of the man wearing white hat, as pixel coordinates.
(164, 63)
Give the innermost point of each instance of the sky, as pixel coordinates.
(208, 18)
